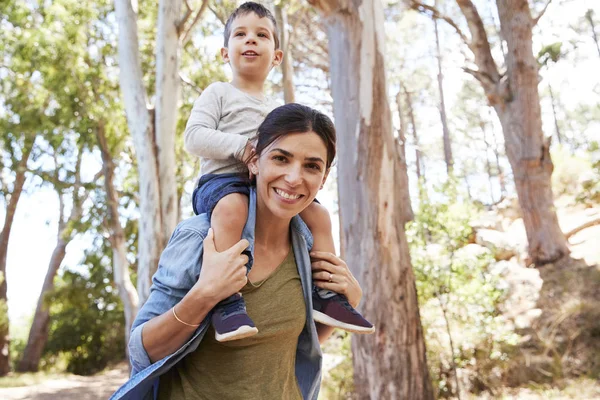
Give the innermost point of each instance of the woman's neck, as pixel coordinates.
(271, 232)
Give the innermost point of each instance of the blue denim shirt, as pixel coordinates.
(178, 270)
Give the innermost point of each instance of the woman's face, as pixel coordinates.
(289, 173)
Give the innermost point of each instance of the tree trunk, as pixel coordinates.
(526, 148)
(516, 100)
(38, 335)
(150, 240)
(589, 16)
(4, 239)
(121, 276)
(390, 364)
(413, 124)
(405, 207)
(287, 67)
(488, 164)
(558, 135)
(167, 97)
(440, 78)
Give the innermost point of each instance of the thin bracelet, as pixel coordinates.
(185, 323)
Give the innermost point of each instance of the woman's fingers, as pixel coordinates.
(326, 256)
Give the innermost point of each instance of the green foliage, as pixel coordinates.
(338, 383)
(459, 293)
(590, 184)
(87, 322)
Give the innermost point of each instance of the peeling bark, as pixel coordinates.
(140, 121)
(390, 364)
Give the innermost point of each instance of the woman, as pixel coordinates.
(169, 340)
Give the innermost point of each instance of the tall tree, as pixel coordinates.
(287, 67)
(391, 363)
(442, 107)
(67, 228)
(514, 96)
(153, 127)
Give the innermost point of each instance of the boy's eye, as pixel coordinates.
(263, 35)
(239, 34)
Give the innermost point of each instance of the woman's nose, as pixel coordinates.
(294, 175)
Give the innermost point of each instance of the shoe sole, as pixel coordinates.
(239, 333)
(327, 320)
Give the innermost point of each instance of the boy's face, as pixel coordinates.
(251, 52)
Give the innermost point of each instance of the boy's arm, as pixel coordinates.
(201, 137)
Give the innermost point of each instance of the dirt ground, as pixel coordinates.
(72, 387)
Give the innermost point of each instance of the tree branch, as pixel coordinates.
(189, 82)
(536, 19)
(585, 225)
(436, 14)
(187, 35)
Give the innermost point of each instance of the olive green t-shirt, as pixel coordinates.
(260, 367)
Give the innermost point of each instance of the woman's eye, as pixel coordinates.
(279, 158)
(316, 167)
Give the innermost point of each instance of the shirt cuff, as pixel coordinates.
(137, 354)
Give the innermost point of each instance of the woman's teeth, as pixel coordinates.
(287, 195)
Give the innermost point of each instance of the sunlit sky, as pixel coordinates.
(34, 230)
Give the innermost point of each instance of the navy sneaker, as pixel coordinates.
(231, 321)
(337, 312)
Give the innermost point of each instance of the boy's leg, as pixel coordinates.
(230, 319)
(330, 308)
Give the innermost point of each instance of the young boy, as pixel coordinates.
(223, 121)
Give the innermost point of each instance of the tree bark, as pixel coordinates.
(121, 276)
(167, 96)
(440, 77)
(287, 67)
(38, 335)
(526, 148)
(515, 99)
(150, 240)
(390, 364)
(488, 164)
(4, 239)
(405, 207)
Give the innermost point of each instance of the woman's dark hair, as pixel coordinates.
(296, 118)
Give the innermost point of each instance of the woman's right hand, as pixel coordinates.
(222, 273)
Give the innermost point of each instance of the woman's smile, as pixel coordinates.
(288, 197)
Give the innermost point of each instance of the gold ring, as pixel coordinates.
(330, 277)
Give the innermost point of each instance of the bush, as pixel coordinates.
(459, 295)
(86, 319)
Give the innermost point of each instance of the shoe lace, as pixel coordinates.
(347, 305)
(231, 308)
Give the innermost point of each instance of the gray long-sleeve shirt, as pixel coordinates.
(222, 121)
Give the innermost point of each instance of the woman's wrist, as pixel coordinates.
(195, 306)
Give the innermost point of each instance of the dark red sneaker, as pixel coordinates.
(337, 312)
(231, 321)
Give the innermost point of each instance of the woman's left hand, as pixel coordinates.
(331, 272)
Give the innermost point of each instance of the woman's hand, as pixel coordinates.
(222, 273)
(331, 272)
